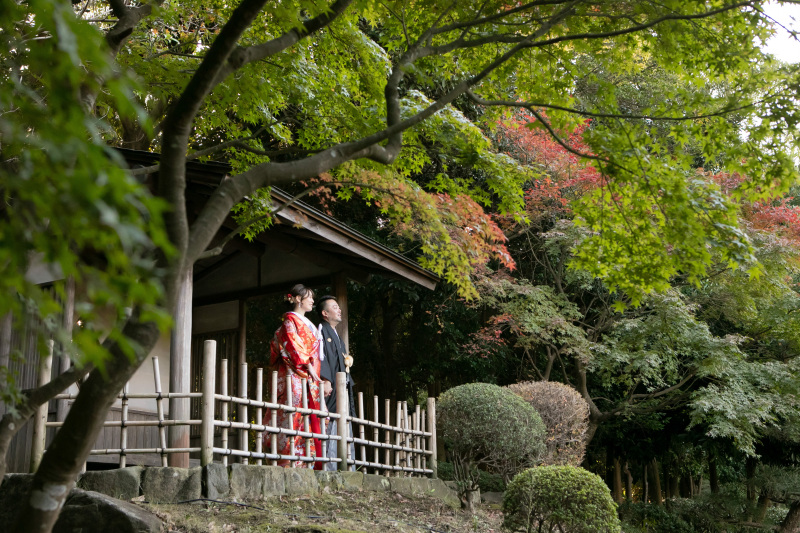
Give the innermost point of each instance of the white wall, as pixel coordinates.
(144, 382)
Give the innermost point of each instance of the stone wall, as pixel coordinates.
(249, 482)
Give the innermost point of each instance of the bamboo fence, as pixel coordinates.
(408, 441)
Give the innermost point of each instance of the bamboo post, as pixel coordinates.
(290, 414)
(207, 414)
(273, 398)
(422, 440)
(306, 421)
(417, 462)
(40, 418)
(223, 390)
(259, 412)
(376, 431)
(408, 456)
(324, 421)
(398, 455)
(244, 442)
(162, 430)
(361, 425)
(432, 438)
(123, 428)
(343, 409)
(387, 434)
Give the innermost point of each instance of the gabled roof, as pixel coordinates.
(302, 231)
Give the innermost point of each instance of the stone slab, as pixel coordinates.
(121, 483)
(216, 483)
(330, 481)
(353, 480)
(253, 482)
(376, 483)
(301, 482)
(438, 489)
(167, 484)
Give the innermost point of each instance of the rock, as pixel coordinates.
(87, 511)
(353, 480)
(14, 490)
(438, 489)
(492, 497)
(122, 483)
(330, 481)
(83, 512)
(168, 485)
(253, 482)
(216, 483)
(409, 486)
(301, 482)
(376, 483)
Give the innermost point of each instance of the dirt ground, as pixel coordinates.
(341, 512)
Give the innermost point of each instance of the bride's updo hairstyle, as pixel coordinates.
(298, 290)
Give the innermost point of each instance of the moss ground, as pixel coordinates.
(340, 512)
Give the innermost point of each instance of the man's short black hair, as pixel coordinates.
(321, 303)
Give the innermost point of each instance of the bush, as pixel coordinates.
(565, 414)
(486, 426)
(559, 498)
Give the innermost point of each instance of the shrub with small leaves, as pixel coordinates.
(491, 427)
(565, 414)
(559, 498)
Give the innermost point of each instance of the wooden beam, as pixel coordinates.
(359, 248)
(294, 246)
(179, 371)
(266, 290)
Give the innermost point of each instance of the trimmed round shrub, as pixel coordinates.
(559, 498)
(488, 427)
(565, 414)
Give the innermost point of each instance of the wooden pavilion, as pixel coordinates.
(304, 246)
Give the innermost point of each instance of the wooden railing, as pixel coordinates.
(403, 445)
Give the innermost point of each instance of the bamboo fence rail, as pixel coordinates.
(409, 444)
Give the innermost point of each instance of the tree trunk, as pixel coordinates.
(71, 446)
(656, 477)
(646, 496)
(617, 492)
(628, 483)
(750, 472)
(761, 508)
(713, 477)
(791, 524)
(673, 489)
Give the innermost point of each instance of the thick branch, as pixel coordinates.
(11, 423)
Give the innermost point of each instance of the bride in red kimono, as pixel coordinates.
(295, 351)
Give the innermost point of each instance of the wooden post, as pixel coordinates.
(417, 413)
(207, 415)
(289, 400)
(343, 409)
(387, 434)
(432, 439)
(40, 418)
(273, 398)
(422, 440)
(162, 433)
(223, 390)
(340, 291)
(67, 321)
(376, 431)
(306, 420)
(398, 455)
(244, 442)
(180, 370)
(123, 428)
(361, 426)
(259, 412)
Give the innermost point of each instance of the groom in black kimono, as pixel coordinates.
(331, 314)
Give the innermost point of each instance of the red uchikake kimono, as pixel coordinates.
(295, 346)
